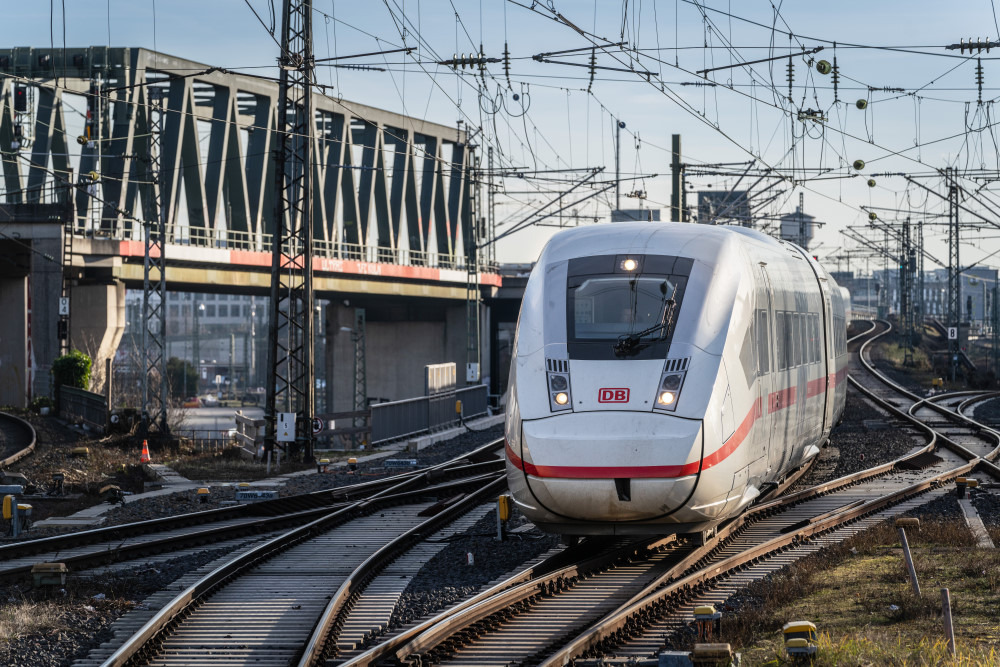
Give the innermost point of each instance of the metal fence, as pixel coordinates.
(398, 419)
(206, 440)
(85, 406)
(249, 432)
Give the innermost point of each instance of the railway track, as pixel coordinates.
(17, 439)
(548, 620)
(265, 605)
(170, 535)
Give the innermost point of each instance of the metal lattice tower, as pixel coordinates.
(921, 308)
(906, 291)
(360, 368)
(954, 268)
(291, 384)
(472, 275)
(154, 331)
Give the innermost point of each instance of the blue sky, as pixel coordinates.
(935, 121)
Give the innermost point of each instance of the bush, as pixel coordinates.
(72, 370)
(182, 378)
(41, 402)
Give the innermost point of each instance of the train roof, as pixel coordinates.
(707, 243)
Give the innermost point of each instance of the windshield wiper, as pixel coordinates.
(631, 344)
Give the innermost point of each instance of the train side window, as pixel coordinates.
(811, 333)
(762, 343)
(780, 361)
(789, 359)
(818, 337)
(796, 339)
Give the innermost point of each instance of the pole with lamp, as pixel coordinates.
(198, 310)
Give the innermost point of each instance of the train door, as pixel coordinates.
(767, 367)
(829, 364)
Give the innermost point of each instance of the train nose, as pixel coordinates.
(611, 466)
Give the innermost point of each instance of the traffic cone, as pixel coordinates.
(144, 457)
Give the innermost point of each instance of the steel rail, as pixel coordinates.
(656, 602)
(548, 575)
(319, 647)
(299, 506)
(25, 448)
(155, 630)
(950, 444)
(169, 543)
(437, 630)
(967, 403)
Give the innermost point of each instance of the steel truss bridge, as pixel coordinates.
(386, 188)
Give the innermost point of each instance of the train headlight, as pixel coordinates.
(669, 390)
(559, 394)
(629, 264)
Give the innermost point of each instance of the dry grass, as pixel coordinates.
(859, 595)
(228, 466)
(23, 618)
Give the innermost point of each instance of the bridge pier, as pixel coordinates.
(14, 363)
(97, 324)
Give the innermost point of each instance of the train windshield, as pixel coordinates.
(606, 307)
(623, 306)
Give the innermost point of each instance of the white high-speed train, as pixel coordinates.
(666, 374)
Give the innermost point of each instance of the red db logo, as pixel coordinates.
(610, 395)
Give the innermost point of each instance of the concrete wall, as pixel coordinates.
(396, 350)
(46, 288)
(14, 363)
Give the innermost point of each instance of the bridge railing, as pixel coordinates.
(414, 416)
(85, 406)
(240, 240)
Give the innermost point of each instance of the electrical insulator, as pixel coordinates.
(861, 104)
(824, 67)
(94, 176)
(871, 182)
(873, 216)
(859, 165)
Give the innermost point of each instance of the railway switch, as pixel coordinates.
(504, 511)
(322, 465)
(712, 655)
(800, 639)
(17, 514)
(961, 485)
(708, 622)
(204, 493)
(352, 464)
(49, 574)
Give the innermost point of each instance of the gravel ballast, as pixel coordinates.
(80, 615)
(448, 577)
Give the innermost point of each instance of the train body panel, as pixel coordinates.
(663, 374)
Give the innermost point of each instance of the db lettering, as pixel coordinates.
(612, 395)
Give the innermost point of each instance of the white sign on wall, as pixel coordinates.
(952, 333)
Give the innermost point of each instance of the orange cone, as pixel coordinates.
(144, 457)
